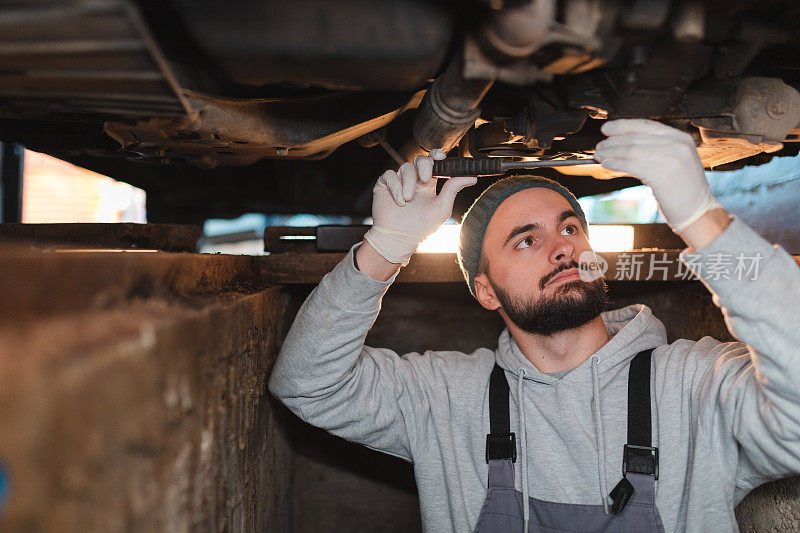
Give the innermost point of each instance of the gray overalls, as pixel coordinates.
(634, 506)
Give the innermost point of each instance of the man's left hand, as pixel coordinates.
(663, 158)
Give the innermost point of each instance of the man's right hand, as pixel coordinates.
(406, 209)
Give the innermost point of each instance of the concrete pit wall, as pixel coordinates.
(134, 397)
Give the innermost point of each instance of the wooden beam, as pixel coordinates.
(339, 238)
(37, 284)
(165, 237)
(637, 265)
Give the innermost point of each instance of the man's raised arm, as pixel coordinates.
(324, 373)
(749, 391)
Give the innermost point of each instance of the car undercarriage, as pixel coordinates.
(216, 109)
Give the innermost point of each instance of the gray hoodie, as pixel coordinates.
(726, 415)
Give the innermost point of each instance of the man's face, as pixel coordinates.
(533, 244)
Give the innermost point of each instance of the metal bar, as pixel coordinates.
(175, 112)
(72, 47)
(106, 97)
(11, 182)
(121, 75)
(507, 165)
(135, 17)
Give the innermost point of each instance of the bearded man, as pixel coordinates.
(582, 418)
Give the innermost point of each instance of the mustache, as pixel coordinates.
(561, 268)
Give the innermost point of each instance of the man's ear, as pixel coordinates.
(485, 293)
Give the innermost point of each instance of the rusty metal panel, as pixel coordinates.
(90, 56)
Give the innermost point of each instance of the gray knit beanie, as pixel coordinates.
(476, 219)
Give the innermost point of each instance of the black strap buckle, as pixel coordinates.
(501, 446)
(640, 459)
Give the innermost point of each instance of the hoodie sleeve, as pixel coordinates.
(326, 376)
(750, 390)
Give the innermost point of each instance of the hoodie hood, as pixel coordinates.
(632, 329)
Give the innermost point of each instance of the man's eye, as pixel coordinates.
(526, 239)
(573, 231)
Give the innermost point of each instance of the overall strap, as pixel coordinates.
(501, 443)
(638, 456)
(640, 426)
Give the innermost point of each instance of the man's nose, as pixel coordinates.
(563, 250)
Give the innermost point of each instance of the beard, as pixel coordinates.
(573, 304)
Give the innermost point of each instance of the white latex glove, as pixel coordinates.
(664, 159)
(406, 209)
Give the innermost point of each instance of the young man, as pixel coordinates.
(707, 421)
